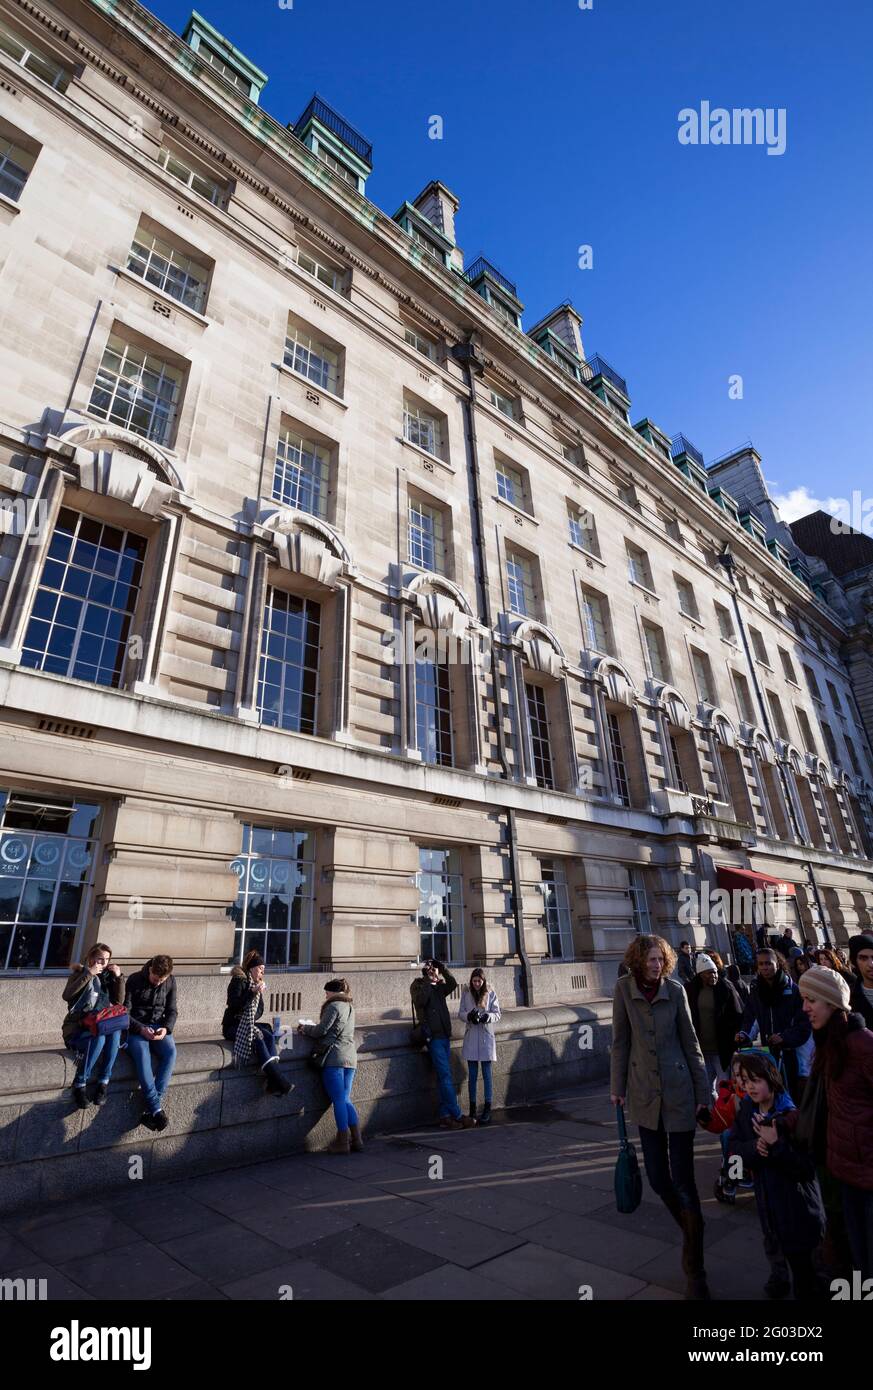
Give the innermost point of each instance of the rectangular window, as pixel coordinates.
(677, 778)
(835, 699)
(440, 905)
(210, 56)
(288, 675)
(422, 429)
(778, 716)
(187, 174)
(427, 243)
(656, 649)
(556, 910)
(160, 263)
(805, 730)
(638, 567)
(725, 623)
(583, 529)
(136, 389)
(311, 357)
(539, 733)
(273, 909)
(853, 754)
(425, 346)
(427, 547)
(519, 579)
(743, 696)
(47, 854)
(642, 919)
(687, 599)
(510, 484)
(787, 666)
(301, 474)
(338, 166)
(433, 712)
(703, 676)
(812, 683)
(830, 741)
(85, 602)
(319, 270)
(595, 624)
(616, 755)
(34, 60)
(758, 647)
(504, 312)
(504, 404)
(16, 164)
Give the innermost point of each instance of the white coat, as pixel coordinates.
(480, 1044)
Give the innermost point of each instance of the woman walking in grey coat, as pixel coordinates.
(480, 1010)
(658, 1075)
(336, 1029)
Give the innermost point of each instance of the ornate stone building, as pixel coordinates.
(340, 615)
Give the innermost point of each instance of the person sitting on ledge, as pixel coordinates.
(252, 1041)
(93, 986)
(150, 998)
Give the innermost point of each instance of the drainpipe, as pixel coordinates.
(728, 562)
(467, 355)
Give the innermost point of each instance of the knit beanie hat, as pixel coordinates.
(705, 963)
(826, 986)
(863, 942)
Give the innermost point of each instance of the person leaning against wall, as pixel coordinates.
(659, 1077)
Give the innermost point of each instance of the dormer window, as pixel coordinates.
(213, 48)
(497, 291)
(336, 143)
(338, 166)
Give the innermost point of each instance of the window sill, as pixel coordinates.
(635, 584)
(691, 617)
(423, 453)
(589, 554)
(519, 511)
(732, 643)
(154, 293)
(311, 385)
(10, 203)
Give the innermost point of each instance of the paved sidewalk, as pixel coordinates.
(523, 1209)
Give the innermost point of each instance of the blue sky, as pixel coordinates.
(560, 130)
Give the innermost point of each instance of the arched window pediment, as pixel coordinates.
(616, 680)
(721, 725)
(542, 650)
(674, 705)
(111, 444)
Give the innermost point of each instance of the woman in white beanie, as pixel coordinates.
(843, 1067)
(716, 1012)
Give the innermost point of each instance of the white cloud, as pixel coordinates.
(799, 501)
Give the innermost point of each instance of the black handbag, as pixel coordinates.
(628, 1179)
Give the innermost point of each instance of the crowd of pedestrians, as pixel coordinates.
(780, 1066)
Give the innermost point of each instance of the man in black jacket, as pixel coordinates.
(861, 992)
(429, 996)
(775, 1005)
(150, 998)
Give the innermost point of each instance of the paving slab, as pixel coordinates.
(59, 1287)
(306, 1281)
(225, 1252)
(451, 1283)
(585, 1239)
(134, 1271)
(498, 1206)
(550, 1275)
(175, 1215)
(57, 1241)
(372, 1259)
(456, 1239)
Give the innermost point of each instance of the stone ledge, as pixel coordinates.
(220, 1116)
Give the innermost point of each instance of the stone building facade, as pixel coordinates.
(339, 615)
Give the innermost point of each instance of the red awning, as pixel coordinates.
(744, 878)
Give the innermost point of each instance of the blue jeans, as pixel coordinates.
(263, 1043)
(440, 1050)
(153, 1084)
(473, 1080)
(338, 1082)
(105, 1045)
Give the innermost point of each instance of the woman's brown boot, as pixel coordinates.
(696, 1286)
(357, 1141)
(340, 1144)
